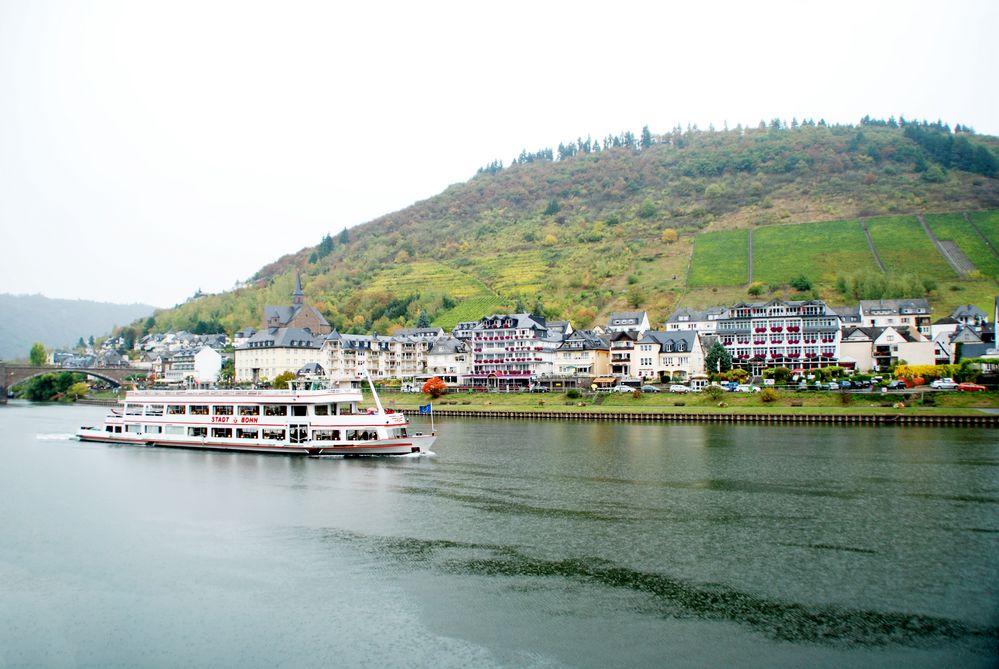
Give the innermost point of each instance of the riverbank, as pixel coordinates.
(789, 407)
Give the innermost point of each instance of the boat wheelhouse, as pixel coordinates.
(309, 418)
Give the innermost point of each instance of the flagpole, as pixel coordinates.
(432, 429)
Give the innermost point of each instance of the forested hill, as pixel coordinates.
(58, 323)
(601, 225)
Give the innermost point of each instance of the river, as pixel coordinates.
(518, 544)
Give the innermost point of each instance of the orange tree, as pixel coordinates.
(435, 387)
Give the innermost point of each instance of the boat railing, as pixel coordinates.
(242, 393)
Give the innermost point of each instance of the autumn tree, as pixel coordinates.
(435, 387)
(281, 380)
(670, 235)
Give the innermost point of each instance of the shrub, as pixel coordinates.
(573, 394)
(714, 392)
(670, 235)
(755, 289)
(801, 283)
(768, 395)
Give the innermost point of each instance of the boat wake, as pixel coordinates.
(55, 436)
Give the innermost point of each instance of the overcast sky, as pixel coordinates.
(151, 149)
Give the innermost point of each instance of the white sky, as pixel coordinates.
(149, 149)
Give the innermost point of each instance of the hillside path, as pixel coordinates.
(951, 253)
(980, 234)
(874, 251)
(750, 255)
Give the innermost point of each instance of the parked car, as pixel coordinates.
(651, 389)
(971, 387)
(832, 385)
(944, 384)
(538, 389)
(730, 386)
(845, 384)
(747, 388)
(897, 385)
(621, 388)
(678, 388)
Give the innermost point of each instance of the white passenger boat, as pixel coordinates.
(309, 418)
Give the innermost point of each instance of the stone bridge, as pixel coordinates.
(11, 375)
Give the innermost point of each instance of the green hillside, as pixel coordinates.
(655, 224)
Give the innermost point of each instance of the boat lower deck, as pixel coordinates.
(419, 444)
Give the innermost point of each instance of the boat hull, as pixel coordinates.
(416, 444)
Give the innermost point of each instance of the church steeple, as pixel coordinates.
(298, 296)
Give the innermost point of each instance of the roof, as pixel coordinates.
(684, 315)
(903, 306)
(670, 340)
(448, 346)
(283, 338)
(968, 311)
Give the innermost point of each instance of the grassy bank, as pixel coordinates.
(787, 402)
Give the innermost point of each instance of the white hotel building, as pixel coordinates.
(796, 334)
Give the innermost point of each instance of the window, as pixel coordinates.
(153, 429)
(275, 410)
(272, 434)
(299, 409)
(222, 432)
(133, 428)
(249, 410)
(321, 410)
(199, 409)
(154, 409)
(176, 409)
(133, 409)
(197, 431)
(222, 409)
(244, 433)
(174, 429)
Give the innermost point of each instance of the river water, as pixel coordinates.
(518, 544)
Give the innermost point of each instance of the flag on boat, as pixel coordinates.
(426, 408)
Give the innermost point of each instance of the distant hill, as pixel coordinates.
(57, 323)
(654, 222)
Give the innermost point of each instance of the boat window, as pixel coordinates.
(299, 409)
(117, 428)
(223, 432)
(326, 435)
(321, 410)
(174, 429)
(154, 409)
(253, 410)
(243, 433)
(154, 429)
(275, 410)
(107, 428)
(175, 409)
(197, 431)
(276, 435)
(133, 409)
(222, 409)
(133, 428)
(199, 409)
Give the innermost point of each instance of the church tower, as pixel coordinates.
(298, 296)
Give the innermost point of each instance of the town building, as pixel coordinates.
(886, 313)
(628, 321)
(296, 315)
(584, 355)
(878, 349)
(512, 349)
(798, 334)
(450, 359)
(702, 321)
(674, 356)
(199, 365)
(273, 351)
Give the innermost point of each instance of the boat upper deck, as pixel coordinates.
(245, 396)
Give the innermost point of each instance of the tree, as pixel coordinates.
(281, 380)
(38, 356)
(435, 387)
(755, 289)
(670, 235)
(77, 390)
(344, 237)
(646, 137)
(718, 358)
(424, 320)
(801, 283)
(228, 372)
